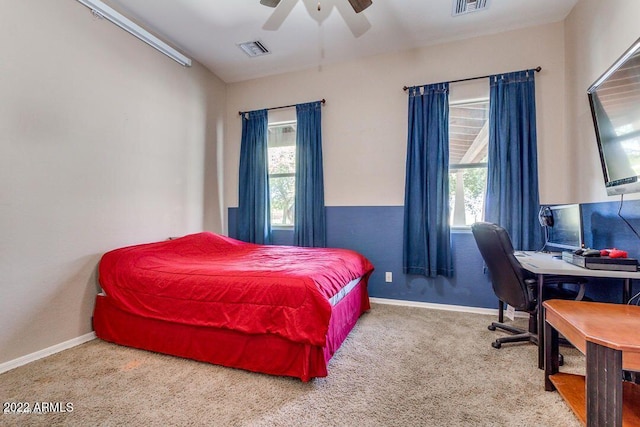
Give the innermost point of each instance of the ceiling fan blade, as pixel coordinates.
(360, 5)
(270, 3)
(279, 15)
(358, 24)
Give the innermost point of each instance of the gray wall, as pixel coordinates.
(105, 142)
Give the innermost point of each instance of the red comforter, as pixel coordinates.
(210, 280)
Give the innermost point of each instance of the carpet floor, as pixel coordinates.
(400, 366)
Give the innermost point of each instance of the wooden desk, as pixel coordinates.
(543, 264)
(609, 336)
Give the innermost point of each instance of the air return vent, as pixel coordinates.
(253, 49)
(462, 7)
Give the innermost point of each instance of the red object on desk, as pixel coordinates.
(614, 253)
(617, 253)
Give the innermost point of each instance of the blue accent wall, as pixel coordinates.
(376, 232)
(603, 228)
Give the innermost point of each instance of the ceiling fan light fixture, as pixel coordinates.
(462, 7)
(254, 48)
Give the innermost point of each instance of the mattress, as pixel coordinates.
(209, 280)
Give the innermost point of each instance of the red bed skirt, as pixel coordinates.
(266, 353)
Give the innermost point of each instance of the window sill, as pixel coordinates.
(282, 227)
(461, 229)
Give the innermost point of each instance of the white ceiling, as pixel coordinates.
(209, 30)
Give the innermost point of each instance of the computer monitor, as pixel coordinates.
(566, 231)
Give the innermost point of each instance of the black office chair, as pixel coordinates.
(513, 284)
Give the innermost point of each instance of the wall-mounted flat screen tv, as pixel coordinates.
(615, 107)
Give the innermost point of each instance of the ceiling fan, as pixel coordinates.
(320, 10)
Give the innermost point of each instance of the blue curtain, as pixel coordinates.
(310, 219)
(427, 240)
(512, 181)
(254, 202)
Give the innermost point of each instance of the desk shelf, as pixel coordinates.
(607, 334)
(572, 389)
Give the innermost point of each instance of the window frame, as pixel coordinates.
(281, 175)
(452, 168)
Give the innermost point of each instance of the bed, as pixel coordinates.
(279, 310)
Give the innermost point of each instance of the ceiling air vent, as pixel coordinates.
(461, 7)
(254, 49)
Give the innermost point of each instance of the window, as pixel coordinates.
(282, 172)
(468, 141)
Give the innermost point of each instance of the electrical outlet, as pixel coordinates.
(388, 277)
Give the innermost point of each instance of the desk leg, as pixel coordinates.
(626, 291)
(541, 322)
(604, 386)
(551, 359)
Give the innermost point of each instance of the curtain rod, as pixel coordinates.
(537, 69)
(284, 106)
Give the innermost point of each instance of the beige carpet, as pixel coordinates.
(399, 367)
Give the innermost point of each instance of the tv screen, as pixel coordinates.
(566, 231)
(615, 108)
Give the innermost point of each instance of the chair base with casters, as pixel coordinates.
(531, 335)
(514, 285)
(519, 334)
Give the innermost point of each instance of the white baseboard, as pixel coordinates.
(7, 366)
(12, 364)
(447, 307)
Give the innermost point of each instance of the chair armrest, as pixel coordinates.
(561, 280)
